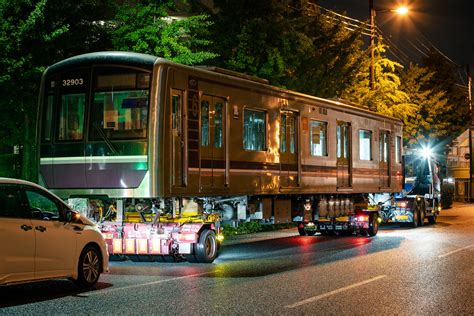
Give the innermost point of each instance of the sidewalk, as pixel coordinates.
(248, 238)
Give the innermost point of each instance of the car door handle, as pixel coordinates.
(26, 227)
(40, 228)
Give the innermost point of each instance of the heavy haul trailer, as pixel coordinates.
(164, 152)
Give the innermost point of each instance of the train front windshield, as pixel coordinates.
(115, 101)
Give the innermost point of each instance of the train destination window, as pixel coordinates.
(318, 140)
(398, 149)
(365, 145)
(205, 123)
(254, 130)
(71, 116)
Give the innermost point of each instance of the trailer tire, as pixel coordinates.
(414, 224)
(432, 219)
(205, 250)
(311, 233)
(422, 216)
(373, 226)
(301, 231)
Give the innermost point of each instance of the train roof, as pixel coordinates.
(107, 57)
(148, 61)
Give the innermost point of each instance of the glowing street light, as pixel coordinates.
(403, 10)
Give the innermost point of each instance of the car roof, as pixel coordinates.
(28, 183)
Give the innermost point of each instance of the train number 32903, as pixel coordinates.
(73, 82)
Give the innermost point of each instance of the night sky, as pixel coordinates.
(446, 24)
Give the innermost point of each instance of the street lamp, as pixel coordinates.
(402, 11)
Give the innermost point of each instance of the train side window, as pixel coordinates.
(283, 134)
(254, 130)
(218, 108)
(384, 141)
(398, 150)
(176, 112)
(365, 145)
(204, 123)
(71, 120)
(318, 140)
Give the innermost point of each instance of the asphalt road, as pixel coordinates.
(403, 271)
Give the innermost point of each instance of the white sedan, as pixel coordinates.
(42, 238)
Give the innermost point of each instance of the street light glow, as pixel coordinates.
(401, 10)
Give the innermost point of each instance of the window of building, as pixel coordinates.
(365, 145)
(254, 130)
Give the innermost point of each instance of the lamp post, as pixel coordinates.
(372, 11)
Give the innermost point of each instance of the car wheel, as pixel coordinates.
(89, 267)
(205, 250)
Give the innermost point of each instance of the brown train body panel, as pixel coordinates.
(187, 168)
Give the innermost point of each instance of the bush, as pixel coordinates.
(253, 227)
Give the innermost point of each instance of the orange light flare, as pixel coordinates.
(402, 10)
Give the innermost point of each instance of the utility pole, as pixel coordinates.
(372, 44)
(471, 129)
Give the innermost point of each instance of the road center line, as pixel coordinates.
(105, 291)
(454, 251)
(342, 289)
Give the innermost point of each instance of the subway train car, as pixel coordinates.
(145, 140)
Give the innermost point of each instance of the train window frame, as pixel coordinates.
(105, 69)
(265, 129)
(326, 125)
(370, 158)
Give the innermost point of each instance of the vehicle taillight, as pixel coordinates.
(402, 204)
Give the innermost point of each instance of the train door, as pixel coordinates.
(178, 141)
(289, 149)
(384, 158)
(213, 132)
(343, 146)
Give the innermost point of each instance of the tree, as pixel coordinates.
(145, 27)
(456, 110)
(33, 35)
(386, 97)
(428, 123)
(287, 43)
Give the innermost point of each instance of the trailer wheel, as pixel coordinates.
(422, 216)
(311, 233)
(432, 219)
(205, 250)
(373, 226)
(414, 224)
(301, 231)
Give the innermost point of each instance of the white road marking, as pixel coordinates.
(106, 291)
(315, 298)
(454, 251)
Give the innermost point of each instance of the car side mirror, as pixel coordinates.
(71, 216)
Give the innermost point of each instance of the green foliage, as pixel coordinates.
(253, 227)
(428, 123)
(33, 35)
(287, 44)
(386, 97)
(145, 27)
